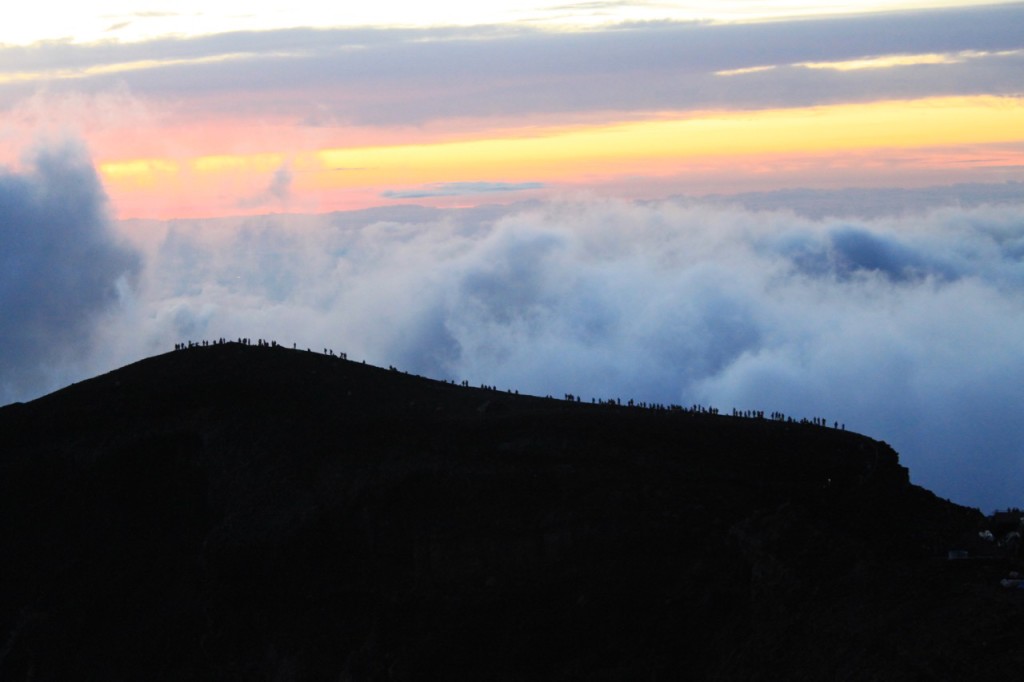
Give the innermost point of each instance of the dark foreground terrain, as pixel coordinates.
(245, 513)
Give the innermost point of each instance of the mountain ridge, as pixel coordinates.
(251, 512)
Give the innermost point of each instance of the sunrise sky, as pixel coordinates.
(191, 111)
(807, 207)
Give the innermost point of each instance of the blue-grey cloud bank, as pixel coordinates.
(906, 325)
(61, 266)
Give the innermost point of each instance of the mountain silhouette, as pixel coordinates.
(239, 512)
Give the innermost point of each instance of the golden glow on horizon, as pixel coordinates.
(602, 150)
(140, 172)
(656, 147)
(259, 163)
(896, 60)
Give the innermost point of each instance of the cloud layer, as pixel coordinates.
(906, 327)
(61, 267)
(458, 189)
(413, 76)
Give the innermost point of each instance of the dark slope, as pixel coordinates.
(237, 512)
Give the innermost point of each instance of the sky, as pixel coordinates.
(816, 208)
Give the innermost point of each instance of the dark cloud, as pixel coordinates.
(60, 267)
(905, 325)
(858, 251)
(454, 189)
(400, 76)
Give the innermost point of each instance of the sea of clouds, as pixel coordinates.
(907, 325)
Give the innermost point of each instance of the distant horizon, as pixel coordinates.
(811, 202)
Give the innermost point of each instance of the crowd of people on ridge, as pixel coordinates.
(569, 397)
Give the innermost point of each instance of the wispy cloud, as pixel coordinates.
(453, 189)
(744, 71)
(412, 76)
(276, 194)
(898, 60)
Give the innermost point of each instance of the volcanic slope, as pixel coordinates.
(239, 512)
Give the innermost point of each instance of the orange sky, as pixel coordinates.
(934, 140)
(320, 115)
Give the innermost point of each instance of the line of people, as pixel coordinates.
(246, 341)
(569, 397)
